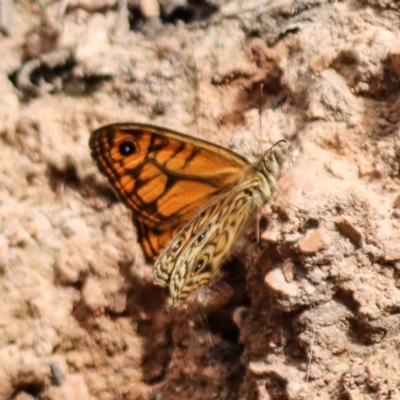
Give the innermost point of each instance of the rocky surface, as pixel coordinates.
(311, 310)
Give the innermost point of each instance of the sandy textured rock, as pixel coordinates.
(308, 311)
(314, 241)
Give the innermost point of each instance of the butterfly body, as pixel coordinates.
(190, 198)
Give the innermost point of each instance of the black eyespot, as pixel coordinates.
(177, 246)
(201, 237)
(127, 148)
(248, 192)
(198, 266)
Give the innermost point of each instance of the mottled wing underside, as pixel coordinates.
(195, 255)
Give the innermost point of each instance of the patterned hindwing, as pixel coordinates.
(210, 238)
(165, 263)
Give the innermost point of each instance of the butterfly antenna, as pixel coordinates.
(260, 113)
(275, 144)
(258, 217)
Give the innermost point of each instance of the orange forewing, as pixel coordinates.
(153, 240)
(165, 177)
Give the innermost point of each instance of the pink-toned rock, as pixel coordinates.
(6, 387)
(396, 203)
(74, 388)
(92, 294)
(288, 270)
(392, 255)
(341, 170)
(150, 8)
(23, 396)
(275, 280)
(270, 236)
(294, 185)
(314, 242)
(347, 228)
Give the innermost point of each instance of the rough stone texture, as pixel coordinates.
(314, 242)
(311, 310)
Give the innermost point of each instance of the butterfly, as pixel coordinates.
(190, 198)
